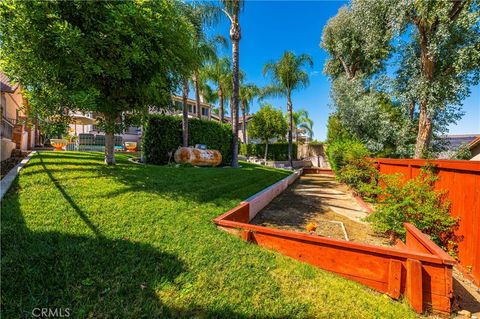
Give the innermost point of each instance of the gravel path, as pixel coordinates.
(319, 199)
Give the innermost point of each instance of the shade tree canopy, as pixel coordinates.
(97, 56)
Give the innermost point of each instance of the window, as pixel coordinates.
(191, 108)
(204, 111)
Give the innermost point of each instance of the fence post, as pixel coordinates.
(414, 284)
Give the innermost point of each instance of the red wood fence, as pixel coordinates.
(461, 180)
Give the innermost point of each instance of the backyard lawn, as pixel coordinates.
(139, 241)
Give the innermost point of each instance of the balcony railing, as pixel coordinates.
(6, 129)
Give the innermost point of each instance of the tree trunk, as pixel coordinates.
(185, 113)
(235, 38)
(290, 128)
(221, 110)
(109, 139)
(244, 124)
(424, 131)
(266, 151)
(197, 95)
(425, 120)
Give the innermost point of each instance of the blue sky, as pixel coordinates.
(271, 27)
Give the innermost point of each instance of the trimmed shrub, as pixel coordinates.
(276, 151)
(341, 152)
(163, 134)
(416, 202)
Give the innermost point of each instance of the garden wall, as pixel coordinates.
(461, 180)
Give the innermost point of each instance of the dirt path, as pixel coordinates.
(320, 199)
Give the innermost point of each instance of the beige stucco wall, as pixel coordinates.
(13, 102)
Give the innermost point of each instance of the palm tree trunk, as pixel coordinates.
(197, 95)
(221, 110)
(290, 127)
(235, 38)
(109, 139)
(185, 113)
(244, 124)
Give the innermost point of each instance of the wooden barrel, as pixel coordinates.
(197, 157)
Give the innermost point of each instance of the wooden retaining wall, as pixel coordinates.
(419, 269)
(461, 180)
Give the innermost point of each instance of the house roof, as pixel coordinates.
(6, 84)
(474, 143)
(453, 142)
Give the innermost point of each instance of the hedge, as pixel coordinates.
(276, 151)
(163, 134)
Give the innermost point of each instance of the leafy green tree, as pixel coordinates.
(287, 75)
(232, 9)
(440, 62)
(248, 92)
(268, 123)
(354, 46)
(105, 57)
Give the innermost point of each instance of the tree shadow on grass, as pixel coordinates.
(92, 276)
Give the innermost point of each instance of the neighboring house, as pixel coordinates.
(474, 147)
(452, 143)
(248, 119)
(134, 133)
(15, 134)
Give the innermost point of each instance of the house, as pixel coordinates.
(474, 147)
(451, 144)
(15, 133)
(133, 133)
(248, 140)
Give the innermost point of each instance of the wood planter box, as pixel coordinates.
(418, 269)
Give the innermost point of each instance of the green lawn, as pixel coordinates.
(139, 242)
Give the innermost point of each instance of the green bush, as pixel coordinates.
(163, 134)
(416, 202)
(340, 152)
(276, 151)
(362, 175)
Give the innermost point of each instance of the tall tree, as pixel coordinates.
(288, 74)
(442, 58)
(248, 92)
(268, 123)
(104, 57)
(232, 9)
(220, 73)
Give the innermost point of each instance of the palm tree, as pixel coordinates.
(247, 93)
(204, 50)
(301, 121)
(232, 9)
(220, 73)
(287, 75)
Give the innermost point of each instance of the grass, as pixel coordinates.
(138, 241)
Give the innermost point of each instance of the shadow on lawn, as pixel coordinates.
(92, 276)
